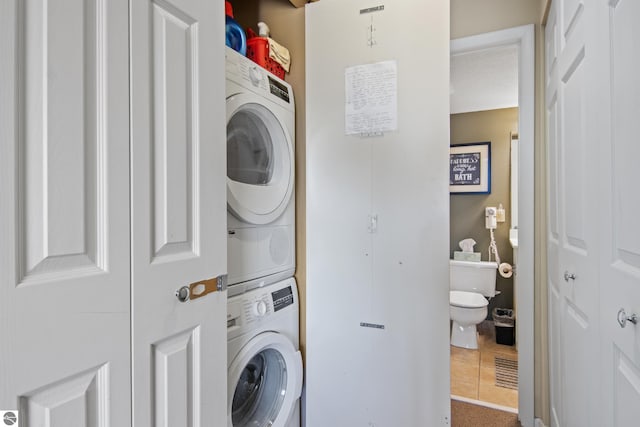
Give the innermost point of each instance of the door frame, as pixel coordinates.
(523, 38)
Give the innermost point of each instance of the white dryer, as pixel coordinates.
(265, 365)
(260, 175)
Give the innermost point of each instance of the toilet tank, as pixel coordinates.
(473, 276)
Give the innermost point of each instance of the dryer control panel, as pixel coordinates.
(278, 89)
(253, 77)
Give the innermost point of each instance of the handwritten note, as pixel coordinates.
(371, 98)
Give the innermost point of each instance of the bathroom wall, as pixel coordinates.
(467, 210)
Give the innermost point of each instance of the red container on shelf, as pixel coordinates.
(258, 52)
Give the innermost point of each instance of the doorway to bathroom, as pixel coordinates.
(492, 100)
(489, 373)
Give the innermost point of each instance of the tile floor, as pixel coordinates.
(473, 371)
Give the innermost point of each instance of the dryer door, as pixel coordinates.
(265, 382)
(260, 163)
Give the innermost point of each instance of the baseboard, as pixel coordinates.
(539, 423)
(486, 404)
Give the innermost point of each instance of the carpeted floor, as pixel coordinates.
(465, 414)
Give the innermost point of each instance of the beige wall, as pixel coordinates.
(467, 210)
(470, 17)
(287, 28)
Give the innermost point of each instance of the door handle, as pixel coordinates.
(623, 318)
(183, 294)
(569, 276)
(201, 288)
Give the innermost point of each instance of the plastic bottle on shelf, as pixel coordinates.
(235, 37)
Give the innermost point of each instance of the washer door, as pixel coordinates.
(260, 164)
(265, 381)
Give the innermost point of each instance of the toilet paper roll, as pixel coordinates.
(506, 270)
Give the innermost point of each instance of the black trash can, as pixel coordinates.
(504, 323)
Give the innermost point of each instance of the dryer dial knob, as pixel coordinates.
(260, 308)
(255, 75)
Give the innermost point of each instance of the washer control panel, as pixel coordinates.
(256, 308)
(249, 310)
(282, 298)
(259, 308)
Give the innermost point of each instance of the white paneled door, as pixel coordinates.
(64, 212)
(620, 229)
(573, 246)
(112, 198)
(179, 212)
(594, 236)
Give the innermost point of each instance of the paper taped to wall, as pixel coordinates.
(371, 98)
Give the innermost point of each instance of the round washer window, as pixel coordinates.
(260, 391)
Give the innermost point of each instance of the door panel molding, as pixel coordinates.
(179, 233)
(625, 125)
(175, 78)
(626, 390)
(573, 156)
(79, 400)
(61, 146)
(571, 11)
(177, 374)
(65, 253)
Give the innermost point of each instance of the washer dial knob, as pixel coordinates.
(255, 75)
(260, 308)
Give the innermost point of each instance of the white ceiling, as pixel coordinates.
(484, 80)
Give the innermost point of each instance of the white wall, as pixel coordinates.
(399, 276)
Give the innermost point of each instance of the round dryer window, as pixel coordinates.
(265, 381)
(260, 164)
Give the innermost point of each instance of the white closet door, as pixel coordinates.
(64, 212)
(377, 216)
(179, 212)
(592, 96)
(573, 121)
(619, 228)
(553, 217)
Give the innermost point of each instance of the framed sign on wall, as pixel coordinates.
(470, 168)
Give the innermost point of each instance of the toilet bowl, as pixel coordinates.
(466, 310)
(470, 284)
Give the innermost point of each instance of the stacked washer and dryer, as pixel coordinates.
(264, 362)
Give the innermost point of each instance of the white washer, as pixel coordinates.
(260, 175)
(265, 366)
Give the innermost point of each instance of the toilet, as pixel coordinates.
(470, 284)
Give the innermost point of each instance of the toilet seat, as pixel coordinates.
(465, 299)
